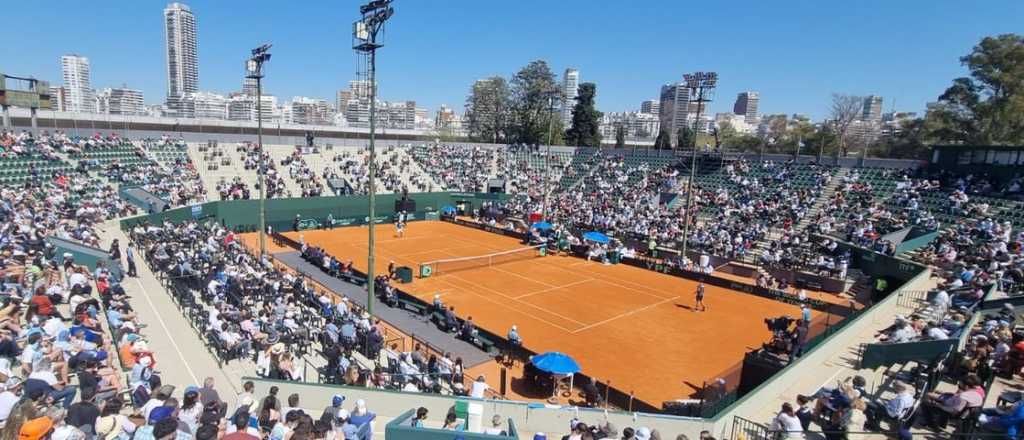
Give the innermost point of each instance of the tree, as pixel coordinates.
(584, 130)
(487, 110)
(843, 112)
(662, 142)
(986, 108)
(909, 142)
(684, 137)
(533, 89)
(620, 137)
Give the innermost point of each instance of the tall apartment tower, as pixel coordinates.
(182, 57)
(650, 106)
(872, 108)
(746, 105)
(675, 109)
(78, 93)
(570, 88)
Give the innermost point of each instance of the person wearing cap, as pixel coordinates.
(9, 397)
(361, 416)
(157, 400)
(331, 411)
(513, 336)
(191, 408)
(36, 429)
(112, 425)
(343, 427)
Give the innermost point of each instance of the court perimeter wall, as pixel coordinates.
(243, 215)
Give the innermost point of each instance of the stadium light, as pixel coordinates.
(700, 84)
(364, 41)
(254, 70)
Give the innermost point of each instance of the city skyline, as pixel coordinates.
(792, 75)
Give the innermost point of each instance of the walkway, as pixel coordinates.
(418, 326)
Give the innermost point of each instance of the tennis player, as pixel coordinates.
(399, 229)
(700, 299)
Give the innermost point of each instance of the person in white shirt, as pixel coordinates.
(479, 388)
(11, 395)
(788, 422)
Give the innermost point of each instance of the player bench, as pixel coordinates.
(413, 306)
(483, 343)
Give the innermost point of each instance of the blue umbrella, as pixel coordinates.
(541, 225)
(555, 362)
(448, 209)
(596, 237)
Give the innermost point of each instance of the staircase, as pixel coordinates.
(824, 197)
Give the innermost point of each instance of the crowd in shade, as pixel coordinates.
(302, 174)
(457, 167)
(253, 159)
(395, 171)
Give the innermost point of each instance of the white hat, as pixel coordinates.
(642, 433)
(146, 361)
(343, 413)
(361, 406)
(513, 327)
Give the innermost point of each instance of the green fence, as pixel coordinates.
(916, 243)
(84, 255)
(878, 265)
(400, 428)
(344, 210)
(877, 355)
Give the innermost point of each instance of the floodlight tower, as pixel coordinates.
(364, 41)
(254, 70)
(701, 84)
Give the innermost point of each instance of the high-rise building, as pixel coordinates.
(398, 114)
(58, 99)
(249, 86)
(872, 111)
(746, 105)
(341, 101)
(243, 108)
(360, 89)
(570, 89)
(78, 93)
(675, 109)
(182, 58)
(207, 105)
(121, 101)
(309, 111)
(650, 107)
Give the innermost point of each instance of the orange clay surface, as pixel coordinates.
(633, 327)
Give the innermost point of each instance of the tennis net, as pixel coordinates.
(448, 265)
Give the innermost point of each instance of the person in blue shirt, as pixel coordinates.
(417, 420)
(1009, 423)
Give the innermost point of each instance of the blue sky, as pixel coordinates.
(796, 53)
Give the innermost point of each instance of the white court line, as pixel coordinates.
(485, 298)
(623, 315)
(521, 302)
(619, 283)
(167, 331)
(554, 288)
(525, 278)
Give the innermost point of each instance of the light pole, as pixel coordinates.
(364, 40)
(547, 154)
(699, 83)
(254, 70)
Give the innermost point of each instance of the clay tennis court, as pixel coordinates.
(628, 325)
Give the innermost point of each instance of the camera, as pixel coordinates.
(778, 325)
